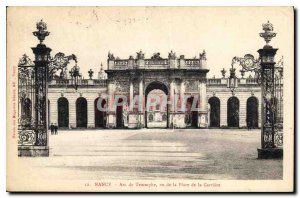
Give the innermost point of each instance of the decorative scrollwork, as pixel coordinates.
(24, 73)
(268, 137)
(26, 137)
(122, 86)
(60, 62)
(248, 63)
(41, 139)
(25, 61)
(191, 86)
(278, 135)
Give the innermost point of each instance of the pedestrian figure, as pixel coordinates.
(52, 128)
(248, 124)
(55, 129)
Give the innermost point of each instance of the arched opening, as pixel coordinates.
(214, 116)
(191, 114)
(155, 94)
(119, 114)
(81, 113)
(233, 107)
(26, 111)
(63, 112)
(151, 118)
(100, 113)
(252, 112)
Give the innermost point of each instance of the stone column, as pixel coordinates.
(202, 120)
(133, 118)
(111, 112)
(91, 113)
(243, 109)
(72, 111)
(130, 92)
(53, 111)
(223, 109)
(142, 104)
(171, 104)
(179, 114)
(182, 91)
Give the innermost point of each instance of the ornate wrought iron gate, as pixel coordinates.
(26, 93)
(32, 92)
(33, 79)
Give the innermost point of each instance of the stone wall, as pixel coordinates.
(242, 93)
(90, 94)
(213, 87)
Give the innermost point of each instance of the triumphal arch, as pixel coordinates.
(129, 82)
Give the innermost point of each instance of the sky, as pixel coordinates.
(91, 32)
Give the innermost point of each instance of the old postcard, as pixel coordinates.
(150, 99)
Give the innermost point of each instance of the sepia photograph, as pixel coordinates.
(150, 99)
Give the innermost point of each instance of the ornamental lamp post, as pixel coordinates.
(75, 75)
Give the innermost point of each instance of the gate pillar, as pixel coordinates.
(33, 132)
(269, 131)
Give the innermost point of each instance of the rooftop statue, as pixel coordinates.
(156, 56)
(111, 56)
(140, 55)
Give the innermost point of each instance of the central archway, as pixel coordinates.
(162, 87)
(191, 116)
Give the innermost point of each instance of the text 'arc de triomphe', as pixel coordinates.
(177, 77)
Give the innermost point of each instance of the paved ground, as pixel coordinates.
(162, 124)
(157, 154)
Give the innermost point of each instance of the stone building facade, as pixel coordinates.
(134, 78)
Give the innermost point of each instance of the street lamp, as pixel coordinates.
(75, 75)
